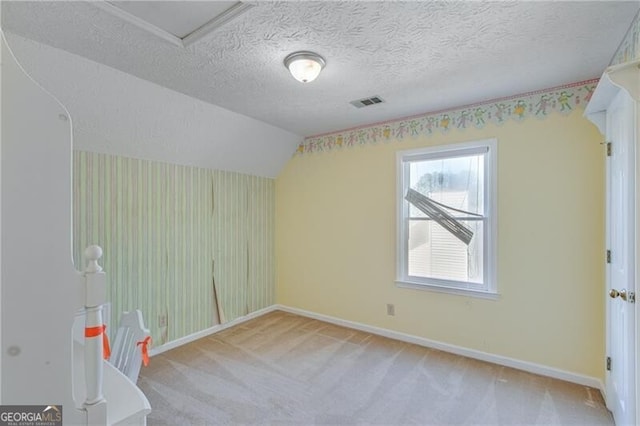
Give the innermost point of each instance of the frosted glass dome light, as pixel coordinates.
(304, 66)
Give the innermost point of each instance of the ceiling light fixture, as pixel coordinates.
(304, 66)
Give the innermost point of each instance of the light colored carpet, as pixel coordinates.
(285, 369)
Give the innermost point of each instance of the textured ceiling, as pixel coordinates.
(418, 56)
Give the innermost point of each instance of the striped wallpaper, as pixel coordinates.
(169, 233)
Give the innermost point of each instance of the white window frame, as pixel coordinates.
(489, 288)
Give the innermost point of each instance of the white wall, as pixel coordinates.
(117, 113)
(40, 288)
(0, 210)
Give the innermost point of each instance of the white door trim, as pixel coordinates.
(623, 77)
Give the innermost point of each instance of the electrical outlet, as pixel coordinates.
(391, 309)
(162, 320)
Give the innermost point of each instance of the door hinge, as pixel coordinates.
(608, 256)
(609, 149)
(608, 363)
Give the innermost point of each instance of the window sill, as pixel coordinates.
(448, 290)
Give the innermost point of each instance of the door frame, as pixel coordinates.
(619, 253)
(616, 78)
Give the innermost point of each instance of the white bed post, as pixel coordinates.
(95, 288)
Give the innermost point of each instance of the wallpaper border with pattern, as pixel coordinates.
(629, 49)
(539, 104)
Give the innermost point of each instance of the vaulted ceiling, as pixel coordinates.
(417, 56)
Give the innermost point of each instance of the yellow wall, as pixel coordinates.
(336, 244)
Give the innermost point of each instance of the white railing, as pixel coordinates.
(101, 382)
(95, 333)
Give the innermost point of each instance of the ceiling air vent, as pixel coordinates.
(361, 103)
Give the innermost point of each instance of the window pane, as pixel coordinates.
(433, 252)
(456, 182)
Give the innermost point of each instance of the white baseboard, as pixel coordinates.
(530, 367)
(209, 331)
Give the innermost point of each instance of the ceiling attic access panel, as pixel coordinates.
(180, 22)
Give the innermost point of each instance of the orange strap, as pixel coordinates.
(95, 332)
(145, 350)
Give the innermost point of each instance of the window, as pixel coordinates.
(447, 206)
